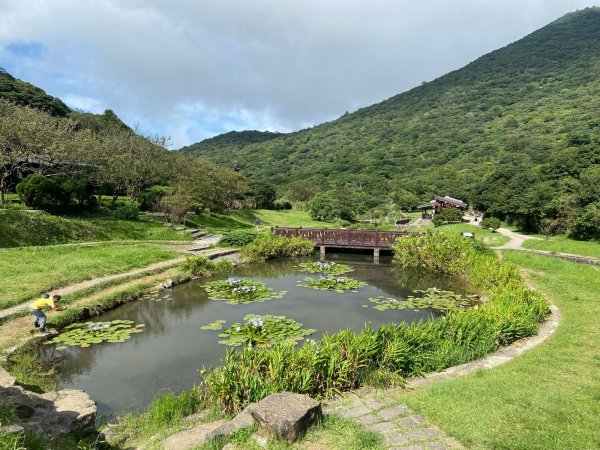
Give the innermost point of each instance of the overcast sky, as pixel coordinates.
(191, 69)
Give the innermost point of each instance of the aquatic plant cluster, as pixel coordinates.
(269, 246)
(264, 331)
(328, 267)
(433, 298)
(383, 357)
(85, 334)
(332, 283)
(236, 291)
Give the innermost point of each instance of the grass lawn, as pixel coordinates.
(234, 220)
(22, 228)
(481, 234)
(26, 272)
(562, 244)
(549, 398)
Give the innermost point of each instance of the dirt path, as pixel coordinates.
(516, 239)
(198, 247)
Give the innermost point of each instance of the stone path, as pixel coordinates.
(401, 428)
(516, 239)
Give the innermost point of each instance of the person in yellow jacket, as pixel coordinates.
(36, 308)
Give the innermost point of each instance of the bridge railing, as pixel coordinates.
(344, 238)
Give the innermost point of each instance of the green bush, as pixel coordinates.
(270, 246)
(447, 215)
(491, 222)
(347, 360)
(128, 211)
(238, 238)
(587, 225)
(150, 197)
(201, 266)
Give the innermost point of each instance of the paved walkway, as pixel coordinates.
(516, 239)
(199, 247)
(400, 426)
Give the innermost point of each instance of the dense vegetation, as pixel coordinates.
(515, 133)
(27, 94)
(346, 360)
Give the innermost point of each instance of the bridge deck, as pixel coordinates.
(373, 239)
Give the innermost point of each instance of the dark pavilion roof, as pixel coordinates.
(451, 200)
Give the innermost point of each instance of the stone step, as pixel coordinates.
(193, 437)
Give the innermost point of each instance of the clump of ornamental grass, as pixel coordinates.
(269, 246)
(201, 266)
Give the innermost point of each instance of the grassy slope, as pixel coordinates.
(563, 244)
(26, 272)
(548, 398)
(245, 219)
(21, 228)
(481, 234)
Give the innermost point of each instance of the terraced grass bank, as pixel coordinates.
(25, 228)
(29, 271)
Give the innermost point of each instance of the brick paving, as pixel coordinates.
(400, 427)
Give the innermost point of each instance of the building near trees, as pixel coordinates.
(438, 204)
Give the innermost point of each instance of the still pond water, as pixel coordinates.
(168, 354)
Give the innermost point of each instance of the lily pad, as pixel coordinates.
(85, 334)
(236, 291)
(327, 267)
(333, 283)
(264, 331)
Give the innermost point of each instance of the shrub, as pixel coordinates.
(587, 225)
(346, 360)
(127, 212)
(238, 238)
(149, 198)
(38, 191)
(270, 246)
(447, 215)
(491, 222)
(201, 266)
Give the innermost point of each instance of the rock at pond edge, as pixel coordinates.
(286, 414)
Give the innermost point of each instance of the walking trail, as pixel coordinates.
(198, 247)
(516, 243)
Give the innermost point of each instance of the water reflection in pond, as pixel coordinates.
(168, 354)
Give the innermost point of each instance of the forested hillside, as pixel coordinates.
(514, 133)
(26, 94)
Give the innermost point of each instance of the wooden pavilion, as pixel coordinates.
(439, 203)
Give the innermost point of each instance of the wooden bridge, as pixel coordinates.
(357, 239)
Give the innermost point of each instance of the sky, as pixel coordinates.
(192, 69)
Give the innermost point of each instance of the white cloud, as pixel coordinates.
(196, 68)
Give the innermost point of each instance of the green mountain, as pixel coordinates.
(24, 93)
(232, 140)
(520, 117)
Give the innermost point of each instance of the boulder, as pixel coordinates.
(11, 429)
(191, 438)
(286, 414)
(54, 413)
(242, 420)
(6, 379)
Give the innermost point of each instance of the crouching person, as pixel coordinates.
(37, 307)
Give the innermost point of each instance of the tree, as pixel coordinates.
(324, 207)
(264, 195)
(301, 191)
(447, 215)
(406, 200)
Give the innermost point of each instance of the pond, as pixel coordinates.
(167, 355)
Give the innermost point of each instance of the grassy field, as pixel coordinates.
(548, 398)
(28, 271)
(481, 234)
(22, 228)
(235, 220)
(562, 244)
